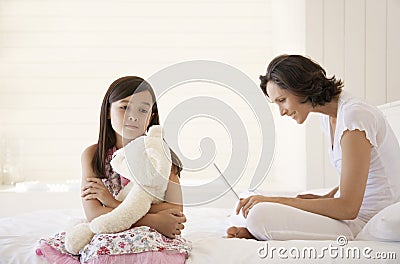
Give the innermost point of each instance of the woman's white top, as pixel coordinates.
(383, 183)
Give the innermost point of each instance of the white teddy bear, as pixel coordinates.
(146, 162)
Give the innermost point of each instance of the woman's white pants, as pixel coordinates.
(273, 221)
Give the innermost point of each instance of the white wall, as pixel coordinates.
(358, 41)
(57, 59)
(288, 171)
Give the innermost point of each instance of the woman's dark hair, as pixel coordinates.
(119, 89)
(302, 77)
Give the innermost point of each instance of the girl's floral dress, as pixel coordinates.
(136, 245)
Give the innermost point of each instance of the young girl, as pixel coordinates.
(363, 149)
(129, 108)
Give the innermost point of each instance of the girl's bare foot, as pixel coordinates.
(238, 232)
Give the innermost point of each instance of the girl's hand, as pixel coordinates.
(247, 203)
(169, 222)
(95, 189)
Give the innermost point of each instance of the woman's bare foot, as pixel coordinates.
(238, 232)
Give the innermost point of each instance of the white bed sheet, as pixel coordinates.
(205, 228)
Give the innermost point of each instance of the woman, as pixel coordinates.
(363, 148)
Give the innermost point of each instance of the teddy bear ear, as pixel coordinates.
(120, 165)
(155, 131)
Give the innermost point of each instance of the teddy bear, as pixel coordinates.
(146, 162)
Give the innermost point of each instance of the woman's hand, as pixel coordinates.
(309, 196)
(247, 203)
(331, 194)
(95, 189)
(169, 222)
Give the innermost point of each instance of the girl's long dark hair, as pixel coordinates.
(119, 89)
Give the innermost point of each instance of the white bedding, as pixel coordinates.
(205, 228)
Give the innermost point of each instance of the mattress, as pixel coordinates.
(205, 228)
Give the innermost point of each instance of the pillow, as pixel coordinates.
(384, 226)
(392, 111)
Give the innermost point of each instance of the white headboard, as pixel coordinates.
(392, 113)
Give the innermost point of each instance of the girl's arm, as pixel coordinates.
(96, 199)
(167, 217)
(356, 153)
(173, 195)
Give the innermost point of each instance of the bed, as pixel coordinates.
(206, 229)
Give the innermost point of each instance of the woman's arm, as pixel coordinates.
(96, 199)
(356, 153)
(330, 194)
